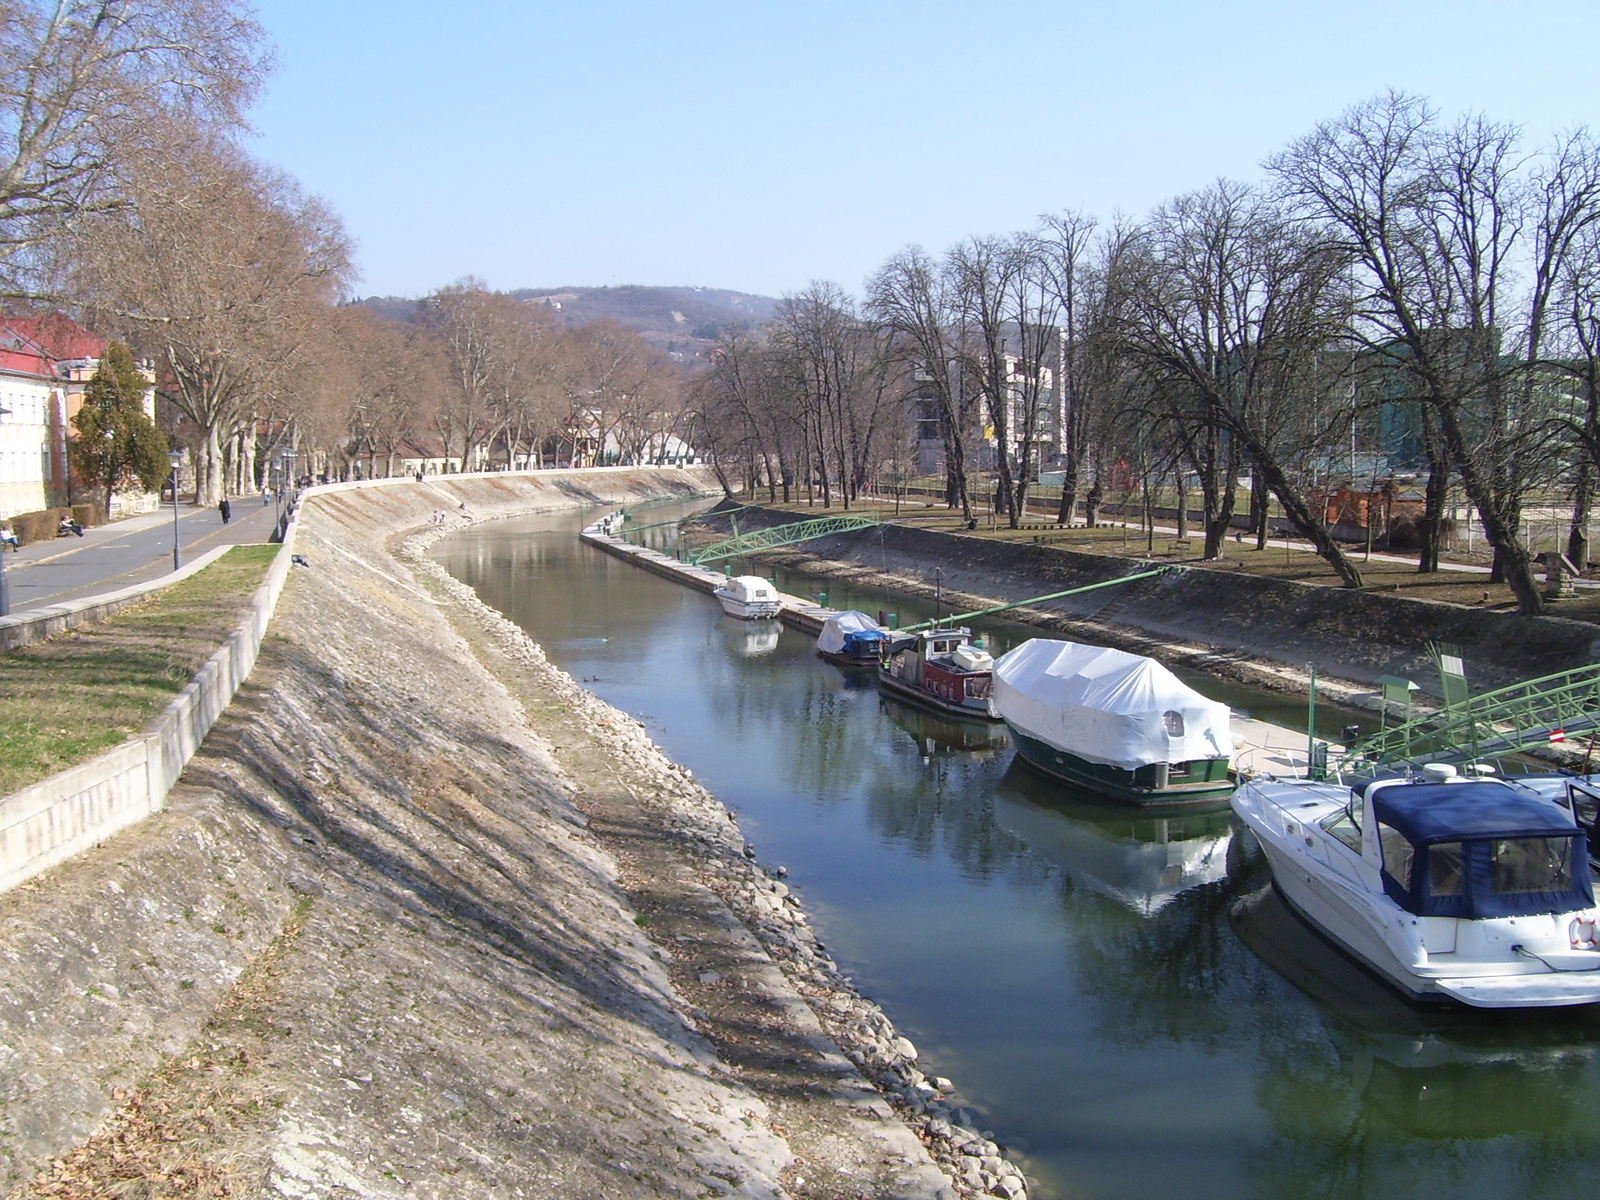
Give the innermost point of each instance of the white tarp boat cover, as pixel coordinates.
(749, 589)
(836, 627)
(1106, 706)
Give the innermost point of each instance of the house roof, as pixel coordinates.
(54, 336)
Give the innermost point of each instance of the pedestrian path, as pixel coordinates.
(132, 550)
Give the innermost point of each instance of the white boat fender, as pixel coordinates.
(1583, 932)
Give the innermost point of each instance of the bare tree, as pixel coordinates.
(90, 90)
(221, 268)
(1232, 302)
(910, 298)
(1459, 254)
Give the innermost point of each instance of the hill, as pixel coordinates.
(682, 321)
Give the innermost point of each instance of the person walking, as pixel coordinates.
(226, 510)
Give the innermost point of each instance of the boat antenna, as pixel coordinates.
(938, 591)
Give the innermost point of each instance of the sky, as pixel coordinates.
(762, 145)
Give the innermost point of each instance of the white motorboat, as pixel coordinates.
(748, 597)
(1450, 888)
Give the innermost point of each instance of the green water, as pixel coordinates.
(1088, 976)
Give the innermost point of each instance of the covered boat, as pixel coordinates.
(852, 639)
(748, 597)
(1467, 889)
(1117, 723)
(941, 669)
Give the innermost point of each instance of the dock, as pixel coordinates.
(795, 611)
(1260, 747)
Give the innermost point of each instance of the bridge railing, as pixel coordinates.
(777, 535)
(1533, 713)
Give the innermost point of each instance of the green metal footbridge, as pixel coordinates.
(774, 536)
(1553, 709)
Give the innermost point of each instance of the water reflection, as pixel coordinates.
(750, 639)
(1073, 966)
(1144, 862)
(935, 734)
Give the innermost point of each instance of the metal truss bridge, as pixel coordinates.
(741, 544)
(1552, 709)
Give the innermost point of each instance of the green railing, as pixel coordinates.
(955, 618)
(1553, 708)
(777, 535)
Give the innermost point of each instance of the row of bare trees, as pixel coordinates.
(1393, 270)
(126, 198)
(490, 380)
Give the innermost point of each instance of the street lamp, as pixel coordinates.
(175, 457)
(288, 473)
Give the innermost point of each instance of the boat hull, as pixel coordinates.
(1341, 907)
(972, 709)
(1208, 782)
(747, 610)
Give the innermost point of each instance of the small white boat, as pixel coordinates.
(748, 597)
(1450, 888)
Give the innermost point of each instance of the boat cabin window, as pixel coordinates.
(1173, 720)
(1398, 854)
(1444, 869)
(1341, 826)
(1532, 864)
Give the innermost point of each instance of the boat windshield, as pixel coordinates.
(1493, 877)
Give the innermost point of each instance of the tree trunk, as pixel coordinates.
(1578, 531)
(1435, 496)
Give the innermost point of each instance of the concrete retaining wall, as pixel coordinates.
(52, 820)
(1354, 635)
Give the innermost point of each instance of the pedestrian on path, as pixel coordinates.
(266, 496)
(226, 509)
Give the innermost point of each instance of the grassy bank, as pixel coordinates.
(1278, 561)
(66, 699)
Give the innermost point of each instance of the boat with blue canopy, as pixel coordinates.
(1450, 887)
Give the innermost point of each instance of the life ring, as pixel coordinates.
(1583, 932)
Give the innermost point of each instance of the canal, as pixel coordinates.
(1115, 993)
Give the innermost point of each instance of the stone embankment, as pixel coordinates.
(425, 919)
(1229, 622)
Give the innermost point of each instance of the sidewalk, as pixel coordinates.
(124, 552)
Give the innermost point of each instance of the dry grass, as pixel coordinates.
(66, 699)
(178, 1135)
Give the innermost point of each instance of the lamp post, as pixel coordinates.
(175, 457)
(288, 473)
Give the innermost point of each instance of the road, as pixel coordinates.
(108, 557)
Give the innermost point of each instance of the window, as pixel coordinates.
(1398, 854)
(1444, 869)
(1342, 827)
(1530, 865)
(1172, 720)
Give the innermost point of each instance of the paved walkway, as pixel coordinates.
(108, 557)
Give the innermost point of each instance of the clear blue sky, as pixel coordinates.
(760, 145)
